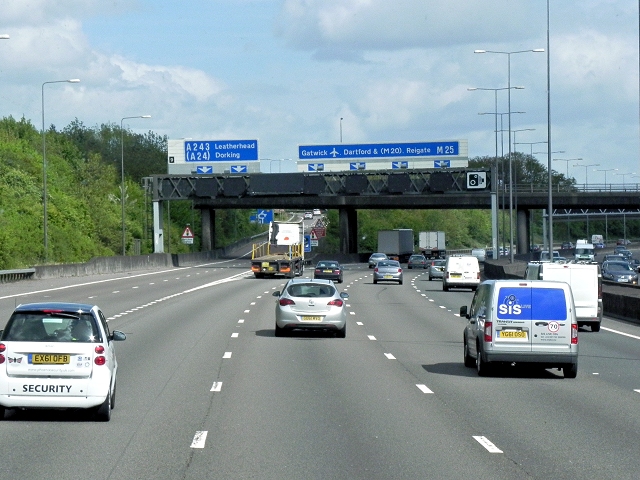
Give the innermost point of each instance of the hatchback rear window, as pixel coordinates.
(44, 327)
(311, 290)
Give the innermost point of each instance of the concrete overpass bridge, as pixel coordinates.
(350, 191)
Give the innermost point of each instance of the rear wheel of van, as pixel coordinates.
(595, 327)
(469, 361)
(481, 365)
(570, 371)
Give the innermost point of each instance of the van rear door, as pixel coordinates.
(550, 319)
(512, 332)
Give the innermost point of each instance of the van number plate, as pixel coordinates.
(512, 334)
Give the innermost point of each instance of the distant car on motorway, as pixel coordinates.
(308, 215)
(317, 212)
(623, 241)
(387, 271)
(567, 246)
(329, 270)
(58, 355)
(376, 257)
(625, 253)
(417, 261)
(436, 269)
(310, 304)
(619, 272)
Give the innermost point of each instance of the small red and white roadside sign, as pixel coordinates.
(187, 236)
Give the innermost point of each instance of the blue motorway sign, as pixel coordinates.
(206, 169)
(379, 150)
(315, 167)
(220, 150)
(357, 165)
(238, 169)
(442, 164)
(395, 165)
(265, 216)
(307, 243)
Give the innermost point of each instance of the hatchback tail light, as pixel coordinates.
(100, 360)
(375, 269)
(336, 303)
(574, 334)
(3, 347)
(286, 301)
(488, 334)
(399, 270)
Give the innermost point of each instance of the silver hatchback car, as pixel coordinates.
(388, 271)
(310, 304)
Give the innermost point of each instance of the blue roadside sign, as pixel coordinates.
(220, 150)
(379, 150)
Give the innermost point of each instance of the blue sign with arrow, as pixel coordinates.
(379, 150)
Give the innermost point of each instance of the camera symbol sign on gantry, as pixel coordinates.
(476, 180)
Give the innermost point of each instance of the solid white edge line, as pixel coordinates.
(620, 333)
(424, 388)
(199, 439)
(486, 443)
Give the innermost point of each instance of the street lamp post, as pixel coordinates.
(341, 129)
(623, 177)
(122, 176)
(495, 91)
(44, 170)
(567, 160)
(605, 170)
(586, 171)
(508, 54)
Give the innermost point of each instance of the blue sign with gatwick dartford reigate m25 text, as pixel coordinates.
(378, 150)
(220, 150)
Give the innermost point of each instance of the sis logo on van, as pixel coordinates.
(525, 303)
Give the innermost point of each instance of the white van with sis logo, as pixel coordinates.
(521, 321)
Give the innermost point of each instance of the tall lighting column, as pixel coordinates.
(44, 170)
(122, 176)
(495, 92)
(508, 54)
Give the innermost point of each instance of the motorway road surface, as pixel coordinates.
(205, 390)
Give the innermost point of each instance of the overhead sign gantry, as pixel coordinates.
(377, 156)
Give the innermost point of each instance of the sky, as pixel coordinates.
(285, 72)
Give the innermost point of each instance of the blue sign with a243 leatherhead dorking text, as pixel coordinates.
(220, 150)
(379, 150)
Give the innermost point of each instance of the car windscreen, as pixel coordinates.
(46, 327)
(311, 290)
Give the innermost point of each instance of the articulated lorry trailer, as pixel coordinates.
(282, 253)
(397, 244)
(431, 244)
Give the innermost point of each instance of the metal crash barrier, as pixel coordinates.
(7, 276)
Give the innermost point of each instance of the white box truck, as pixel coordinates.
(586, 285)
(432, 244)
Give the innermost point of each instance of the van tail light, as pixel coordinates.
(478, 275)
(488, 334)
(574, 334)
(599, 289)
(286, 301)
(336, 303)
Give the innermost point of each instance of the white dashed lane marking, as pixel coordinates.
(424, 388)
(216, 387)
(199, 440)
(486, 443)
(227, 355)
(389, 356)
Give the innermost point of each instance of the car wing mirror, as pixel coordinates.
(118, 336)
(344, 295)
(276, 294)
(464, 312)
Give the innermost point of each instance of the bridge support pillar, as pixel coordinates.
(348, 218)
(158, 235)
(522, 230)
(208, 222)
